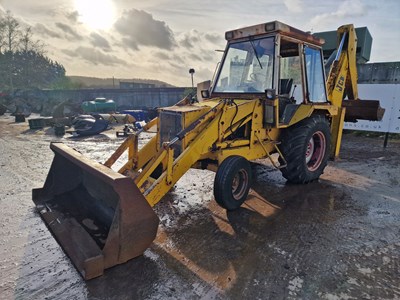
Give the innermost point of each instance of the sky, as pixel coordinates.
(160, 39)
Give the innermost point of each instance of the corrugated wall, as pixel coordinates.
(125, 98)
(379, 73)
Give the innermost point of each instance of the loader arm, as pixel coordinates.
(206, 132)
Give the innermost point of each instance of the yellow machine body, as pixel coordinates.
(241, 118)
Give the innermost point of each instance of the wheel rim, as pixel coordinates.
(239, 184)
(315, 151)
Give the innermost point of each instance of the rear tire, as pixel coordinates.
(232, 182)
(306, 146)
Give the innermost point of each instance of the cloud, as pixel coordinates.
(98, 41)
(73, 16)
(189, 39)
(200, 40)
(348, 9)
(130, 43)
(195, 57)
(210, 56)
(161, 55)
(70, 53)
(194, 38)
(294, 6)
(45, 32)
(199, 46)
(27, 9)
(138, 27)
(69, 32)
(186, 43)
(214, 38)
(178, 59)
(94, 56)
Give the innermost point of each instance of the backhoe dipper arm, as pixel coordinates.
(342, 78)
(342, 82)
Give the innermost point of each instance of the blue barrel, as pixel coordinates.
(138, 114)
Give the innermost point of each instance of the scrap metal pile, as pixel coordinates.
(85, 119)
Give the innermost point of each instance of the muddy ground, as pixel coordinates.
(338, 238)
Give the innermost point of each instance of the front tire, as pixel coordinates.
(306, 146)
(232, 182)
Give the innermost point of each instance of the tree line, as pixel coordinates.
(23, 63)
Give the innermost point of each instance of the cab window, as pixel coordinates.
(315, 78)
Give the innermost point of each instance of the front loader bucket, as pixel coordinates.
(99, 217)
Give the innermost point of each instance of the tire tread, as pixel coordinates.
(293, 145)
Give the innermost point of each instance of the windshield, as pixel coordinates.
(248, 67)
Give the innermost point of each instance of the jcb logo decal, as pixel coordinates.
(340, 84)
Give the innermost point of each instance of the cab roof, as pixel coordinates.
(273, 27)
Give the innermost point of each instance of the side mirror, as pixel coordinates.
(205, 94)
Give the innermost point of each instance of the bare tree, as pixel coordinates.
(26, 42)
(2, 35)
(23, 63)
(11, 28)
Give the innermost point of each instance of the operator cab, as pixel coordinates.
(272, 59)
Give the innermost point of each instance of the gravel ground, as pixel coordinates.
(338, 238)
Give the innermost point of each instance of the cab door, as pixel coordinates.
(315, 75)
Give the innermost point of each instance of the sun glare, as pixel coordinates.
(96, 14)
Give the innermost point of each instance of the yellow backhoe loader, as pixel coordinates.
(269, 96)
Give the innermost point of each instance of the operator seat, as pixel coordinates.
(285, 86)
(287, 106)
